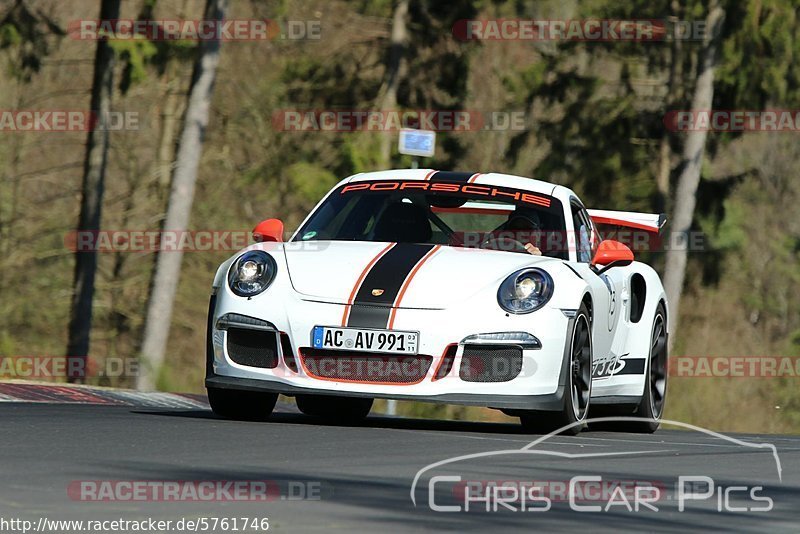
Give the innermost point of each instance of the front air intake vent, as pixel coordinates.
(490, 363)
(253, 348)
(364, 367)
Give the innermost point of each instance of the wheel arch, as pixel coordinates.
(663, 303)
(587, 301)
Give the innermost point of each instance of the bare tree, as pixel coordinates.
(388, 100)
(94, 170)
(692, 160)
(673, 88)
(168, 264)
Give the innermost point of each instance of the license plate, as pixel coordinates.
(365, 340)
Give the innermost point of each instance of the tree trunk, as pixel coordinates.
(397, 48)
(94, 170)
(168, 264)
(692, 160)
(673, 86)
(170, 118)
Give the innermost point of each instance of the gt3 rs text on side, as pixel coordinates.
(480, 289)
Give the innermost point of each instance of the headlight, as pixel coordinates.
(252, 273)
(525, 291)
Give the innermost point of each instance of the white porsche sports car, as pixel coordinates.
(464, 288)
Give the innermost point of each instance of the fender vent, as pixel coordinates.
(253, 348)
(638, 296)
(490, 363)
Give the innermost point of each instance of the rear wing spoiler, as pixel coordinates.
(649, 222)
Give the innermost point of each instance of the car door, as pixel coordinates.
(583, 241)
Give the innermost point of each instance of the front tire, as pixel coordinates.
(242, 405)
(344, 409)
(578, 385)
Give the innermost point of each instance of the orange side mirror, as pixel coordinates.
(269, 230)
(612, 252)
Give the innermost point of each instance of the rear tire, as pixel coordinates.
(651, 407)
(578, 385)
(242, 405)
(344, 409)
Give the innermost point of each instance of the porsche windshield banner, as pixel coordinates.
(469, 190)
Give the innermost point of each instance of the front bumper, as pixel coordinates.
(538, 386)
(551, 402)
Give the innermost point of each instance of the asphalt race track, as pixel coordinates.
(358, 478)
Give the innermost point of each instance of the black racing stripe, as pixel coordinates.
(633, 366)
(451, 176)
(369, 316)
(388, 274)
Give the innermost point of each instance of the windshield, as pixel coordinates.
(440, 213)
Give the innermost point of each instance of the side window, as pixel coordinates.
(583, 233)
(594, 239)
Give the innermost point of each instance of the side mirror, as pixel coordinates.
(269, 230)
(610, 254)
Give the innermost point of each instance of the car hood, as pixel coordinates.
(424, 277)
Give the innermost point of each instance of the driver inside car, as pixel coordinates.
(524, 224)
